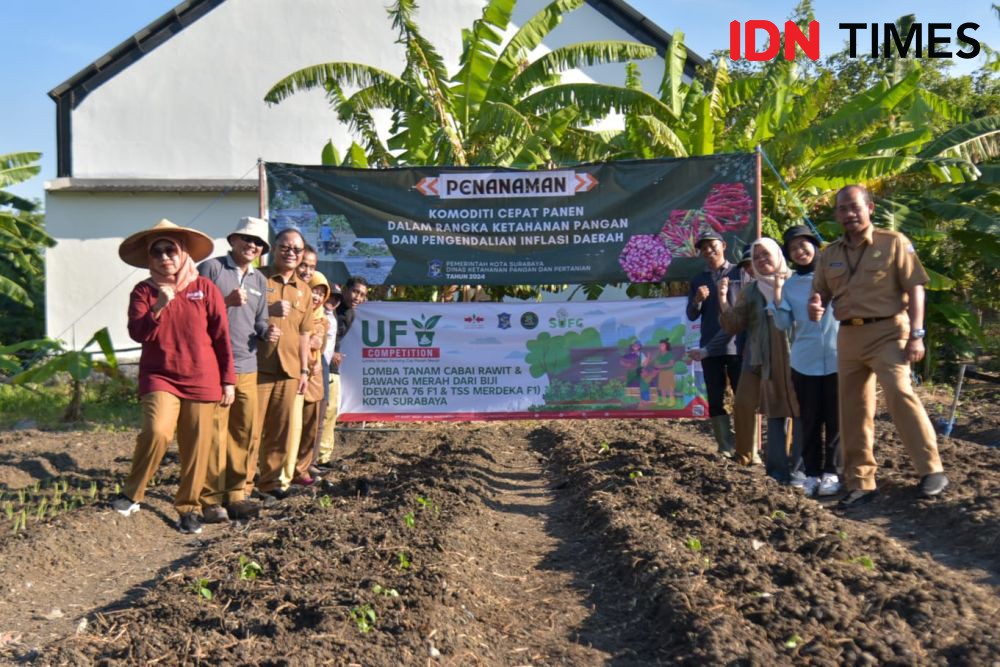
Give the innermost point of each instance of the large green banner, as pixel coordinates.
(612, 222)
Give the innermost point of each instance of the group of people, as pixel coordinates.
(767, 327)
(240, 362)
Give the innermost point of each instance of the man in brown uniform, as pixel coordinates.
(282, 366)
(876, 284)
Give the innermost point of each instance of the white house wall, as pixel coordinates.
(87, 285)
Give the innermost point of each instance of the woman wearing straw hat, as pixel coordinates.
(186, 366)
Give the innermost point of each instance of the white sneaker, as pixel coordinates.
(829, 485)
(124, 505)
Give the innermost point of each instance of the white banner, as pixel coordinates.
(471, 361)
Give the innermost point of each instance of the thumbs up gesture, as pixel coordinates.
(816, 308)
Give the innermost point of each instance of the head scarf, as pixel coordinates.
(319, 280)
(804, 269)
(186, 273)
(765, 283)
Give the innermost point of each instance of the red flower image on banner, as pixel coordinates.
(681, 231)
(727, 207)
(645, 259)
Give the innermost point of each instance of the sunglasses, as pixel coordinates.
(163, 251)
(291, 250)
(252, 240)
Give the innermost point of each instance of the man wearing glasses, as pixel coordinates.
(282, 366)
(244, 289)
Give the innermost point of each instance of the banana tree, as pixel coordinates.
(498, 108)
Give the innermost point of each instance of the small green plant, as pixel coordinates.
(793, 641)
(865, 562)
(378, 589)
(842, 534)
(605, 448)
(200, 586)
(410, 520)
(635, 475)
(426, 504)
(249, 569)
(404, 560)
(326, 502)
(778, 514)
(364, 617)
(693, 543)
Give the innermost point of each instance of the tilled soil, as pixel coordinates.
(560, 542)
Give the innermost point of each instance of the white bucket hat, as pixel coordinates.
(254, 227)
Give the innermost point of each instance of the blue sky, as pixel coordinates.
(46, 42)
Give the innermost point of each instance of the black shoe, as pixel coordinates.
(214, 514)
(856, 498)
(279, 493)
(933, 484)
(323, 467)
(240, 510)
(267, 501)
(189, 523)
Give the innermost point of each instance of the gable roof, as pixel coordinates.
(70, 93)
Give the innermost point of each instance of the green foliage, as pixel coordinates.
(364, 617)
(23, 241)
(248, 568)
(201, 587)
(693, 543)
(112, 403)
(53, 359)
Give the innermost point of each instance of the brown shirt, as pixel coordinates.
(282, 358)
(870, 279)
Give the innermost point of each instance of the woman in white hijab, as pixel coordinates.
(766, 380)
(186, 367)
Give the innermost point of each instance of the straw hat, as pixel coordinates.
(135, 249)
(254, 227)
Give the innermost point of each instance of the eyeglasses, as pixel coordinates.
(290, 249)
(252, 240)
(163, 251)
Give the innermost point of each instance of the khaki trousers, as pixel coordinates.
(864, 353)
(311, 416)
(294, 438)
(276, 398)
(233, 435)
(163, 414)
(329, 421)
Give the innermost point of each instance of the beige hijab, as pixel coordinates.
(186, 274)
(765, 282)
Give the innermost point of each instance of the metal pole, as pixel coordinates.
(954, 403)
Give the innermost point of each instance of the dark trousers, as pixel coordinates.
(715, 370)
(818, 410)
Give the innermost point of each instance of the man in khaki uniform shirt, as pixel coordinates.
(876, 284)
(282, 366)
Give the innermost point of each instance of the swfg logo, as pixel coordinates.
(562, 320)
(885, 39)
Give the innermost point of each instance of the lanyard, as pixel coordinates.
(852, 269)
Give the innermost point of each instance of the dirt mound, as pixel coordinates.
(575, 542)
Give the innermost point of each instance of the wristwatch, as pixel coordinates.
(917, 334)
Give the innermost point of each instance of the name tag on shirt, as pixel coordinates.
(195, 296)
(836, 265)
(253, 291)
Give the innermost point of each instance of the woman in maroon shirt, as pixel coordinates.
(186, 367)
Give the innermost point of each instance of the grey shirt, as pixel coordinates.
(247, 323)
